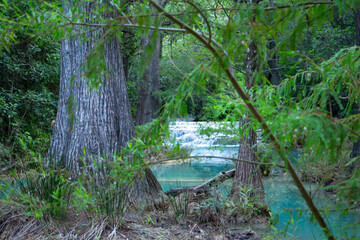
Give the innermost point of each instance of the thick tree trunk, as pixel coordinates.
(97, 120)
(248, 176)
(149, 84)
(94, 123)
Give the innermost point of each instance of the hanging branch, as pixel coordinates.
(257, 115)
(226, 158)
(205, 19)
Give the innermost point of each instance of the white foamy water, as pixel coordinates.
(197, 170)
(187, 134)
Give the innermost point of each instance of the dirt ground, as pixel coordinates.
(136, 224)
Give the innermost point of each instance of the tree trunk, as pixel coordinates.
(248, 176)
(126, 59)
(274, 75)
(128, 44)
(355, 152)
(94, 123)
(149, 84)
(357, 25)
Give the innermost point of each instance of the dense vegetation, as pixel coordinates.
(305, 88)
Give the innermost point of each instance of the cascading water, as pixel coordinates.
(194, 172)
(280, 191)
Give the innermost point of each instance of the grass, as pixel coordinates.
(180, 206)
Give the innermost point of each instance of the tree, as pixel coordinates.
(273, 75)
(355, 152)
(224, 65)
(149, 104)
(27, 93)
(94, 123)
(248, 176)
(304, 110)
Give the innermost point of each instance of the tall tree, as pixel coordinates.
(274, 75)
(355, 152)
(149, 104)
(248, 175)
(98, 121)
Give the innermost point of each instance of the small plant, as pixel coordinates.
(180, 206)
(111, 199)
(42, 195)
(103, 188)
(248, 204)
(150, 221)
(210, 210)
(83, 200)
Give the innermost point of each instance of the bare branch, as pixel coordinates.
(227, 158)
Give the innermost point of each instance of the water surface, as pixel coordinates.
(282, 196)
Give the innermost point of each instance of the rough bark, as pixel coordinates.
(149, 104)
(96, 122)
(146, 190)
(128, 47)
(248, 176)
(149, 84)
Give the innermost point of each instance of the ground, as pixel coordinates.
(160, 222)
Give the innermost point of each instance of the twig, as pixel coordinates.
(205, 19)
(278, 147)
(227, 158)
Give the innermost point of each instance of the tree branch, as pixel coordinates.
(258, 117)
(226, 158)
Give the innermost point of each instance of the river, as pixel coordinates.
(281, 193)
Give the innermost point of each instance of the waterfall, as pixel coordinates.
(187, 134)
(196, 170)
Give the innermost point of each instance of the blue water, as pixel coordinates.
(282, 196)
(284, 199)
(197, 170)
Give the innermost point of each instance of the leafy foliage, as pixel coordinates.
(313, 107)
(30, 84)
